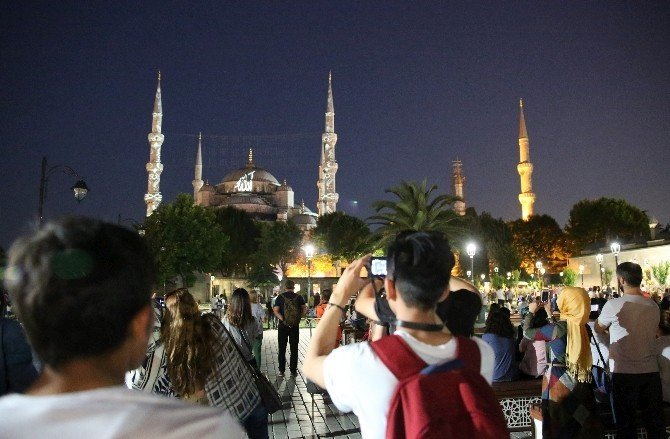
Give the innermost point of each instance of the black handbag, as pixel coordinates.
(269, 395)
(601, 376)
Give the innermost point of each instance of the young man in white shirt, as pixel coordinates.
(82, 289)
(419, 266)
(631, 323)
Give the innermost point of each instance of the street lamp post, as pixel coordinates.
(80, 189)
(599, 260)
(136, 225)
(581, 273)
(309, 254)
(616, 249)
(542, 271)
(471, 249)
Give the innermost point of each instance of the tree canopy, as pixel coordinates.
(540, 238)
(243, 233)
(416, 207)
(343, 236)
(278, 244)
(499, 241)
(184, 238)
(597, 222)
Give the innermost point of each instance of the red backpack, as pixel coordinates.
(447, 400)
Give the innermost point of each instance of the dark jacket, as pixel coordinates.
(17, 371)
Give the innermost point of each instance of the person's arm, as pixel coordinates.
(365, 302)
(544, 333)
(276, 309)
(604, 320)
(324, 337)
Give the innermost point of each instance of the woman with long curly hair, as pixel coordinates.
(241, 324)
(202, 364)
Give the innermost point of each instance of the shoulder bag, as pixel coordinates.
(602, 377)
(269, 395)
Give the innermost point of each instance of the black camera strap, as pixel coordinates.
(429, 327)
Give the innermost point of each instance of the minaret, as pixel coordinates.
(327, 202)
(525, 168)
(459, 182)
(197, 181)
(153, 196)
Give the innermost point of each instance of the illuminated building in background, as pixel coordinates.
(525, 169)
(153, 196)
(458, 180)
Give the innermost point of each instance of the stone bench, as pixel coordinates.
(606, 418)
(516, 398)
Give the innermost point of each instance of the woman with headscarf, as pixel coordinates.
(568, 405)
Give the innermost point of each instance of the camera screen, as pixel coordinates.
(378, 267)
(545, 296)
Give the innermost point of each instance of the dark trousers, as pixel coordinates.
(631, 392)
(290, 335)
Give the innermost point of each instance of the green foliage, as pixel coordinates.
(262, 276)
(499, 241)
(605, 219)
(184, 239)
(515, 278)
(569, 277)
(278, 244)
(344, 237)
(497, 281)
(416, 208)
(607, 276)
(540, 238)
(243, 232)
(661, 272)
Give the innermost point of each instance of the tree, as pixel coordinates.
(278, 244)
(243, 233)
(607, 276)
(499, 242)
(344, 237)
(597, 222)
(661, 272)
(540, 238)
(416, 208)
(184, 238)
(569, 277)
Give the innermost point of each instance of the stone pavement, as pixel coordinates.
(304, 417)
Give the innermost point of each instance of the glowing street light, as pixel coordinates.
(471, 249)
(581, 273)
(616, 249)
(599, 260)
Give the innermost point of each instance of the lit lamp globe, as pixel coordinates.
(80, 190)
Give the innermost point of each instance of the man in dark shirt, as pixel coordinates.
(289, 331)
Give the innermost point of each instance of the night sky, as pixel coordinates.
(416, 85)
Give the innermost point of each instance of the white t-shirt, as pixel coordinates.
(632, 321)
(358, 381)
(500, 294)
(112, 412)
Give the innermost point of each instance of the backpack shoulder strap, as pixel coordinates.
(397, 356)
(467, 351)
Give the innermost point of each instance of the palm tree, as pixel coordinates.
(414, 210)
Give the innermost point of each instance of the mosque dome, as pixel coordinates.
(250, 172)
(303, 219)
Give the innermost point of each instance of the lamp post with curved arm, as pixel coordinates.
(80, 189)
(471, 249)
(616, 249)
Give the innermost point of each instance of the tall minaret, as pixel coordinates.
(327, 202)
(525, 168)
(197, 181)
(459, 182)
(153, 196)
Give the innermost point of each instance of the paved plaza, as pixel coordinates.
(304, 416)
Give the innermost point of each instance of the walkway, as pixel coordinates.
(302, 417)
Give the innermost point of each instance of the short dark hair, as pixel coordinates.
(290, 284)
(630, 272)
(420, 264)
(325, 295)
(76, 284)
(459, 311)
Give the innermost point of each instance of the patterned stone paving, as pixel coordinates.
(304, 416)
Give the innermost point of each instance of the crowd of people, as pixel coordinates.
(82, 290)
